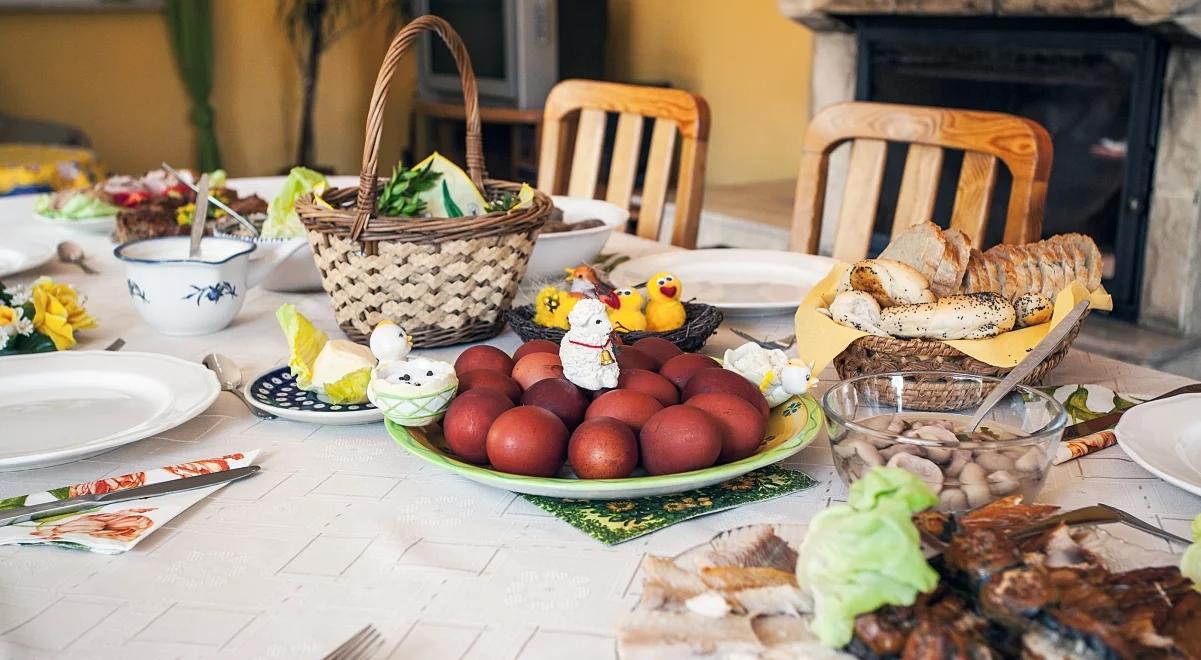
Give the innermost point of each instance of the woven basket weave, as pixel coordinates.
(876, 355)
(702, 321)
(444, 280)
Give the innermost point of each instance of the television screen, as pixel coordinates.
(481, 23)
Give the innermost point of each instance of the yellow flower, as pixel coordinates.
(77, 316)
(57, 312)
(8, 315)
(50, 319)
(620, 506)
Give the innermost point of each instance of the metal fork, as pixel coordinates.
(117, 345)
(1100, 514)
(362, 645)
(782, 344)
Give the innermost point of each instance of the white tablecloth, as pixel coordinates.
(343, 527)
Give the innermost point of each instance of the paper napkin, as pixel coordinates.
(115, 528)
(617, 521)
(820, 339)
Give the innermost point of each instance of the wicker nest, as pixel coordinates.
(700, 323)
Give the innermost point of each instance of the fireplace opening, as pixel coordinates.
(1095, 85)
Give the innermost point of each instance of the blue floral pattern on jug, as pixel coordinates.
(212, 293)
(136, 291)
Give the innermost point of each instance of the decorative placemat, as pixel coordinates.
(617, 521)
(278, 388)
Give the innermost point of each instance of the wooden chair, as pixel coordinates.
(674, 111)
(1021, 144)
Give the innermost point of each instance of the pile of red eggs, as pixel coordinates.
(671, 412)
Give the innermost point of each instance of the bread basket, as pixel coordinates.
(444, 280)
(872, 355)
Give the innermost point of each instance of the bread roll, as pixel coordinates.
(890, 282)
(941, 256)
(1032, 309)
(964, 316)
(858, 310)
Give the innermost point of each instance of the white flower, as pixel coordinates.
(23, 326)
(4, 332)
(20, 295)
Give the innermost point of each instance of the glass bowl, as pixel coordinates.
(915, 421)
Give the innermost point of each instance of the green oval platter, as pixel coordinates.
(792, 426)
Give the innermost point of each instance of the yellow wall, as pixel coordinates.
(749, 62)
(112, 74)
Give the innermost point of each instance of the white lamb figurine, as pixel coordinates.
(777, 377)
(587, 349)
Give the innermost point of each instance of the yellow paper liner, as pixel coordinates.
(820, 339)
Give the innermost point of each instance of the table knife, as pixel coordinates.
(58, 507)
(1088, 427)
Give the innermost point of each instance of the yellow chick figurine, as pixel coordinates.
(551, 307)
(628, 316)
(664, 312)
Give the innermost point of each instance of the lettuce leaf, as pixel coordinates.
(1190, 563)
(81, 206)
(304, 343)
(351, 388)
(282, 220)
(867, 553)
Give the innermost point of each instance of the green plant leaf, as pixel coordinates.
(35, 342)
(12, 502)
(61, 493)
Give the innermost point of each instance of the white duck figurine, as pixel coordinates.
(389, 342)
(770, 369)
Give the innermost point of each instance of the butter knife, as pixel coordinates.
(1034, 358)
(1090, 426)
(200, 216)
(58, 507)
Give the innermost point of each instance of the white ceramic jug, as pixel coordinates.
(178, 295)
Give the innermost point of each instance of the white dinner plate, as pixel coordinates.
(738, 282)
(101, 225)
(21, 254)
(64, 406)
(1164, 437)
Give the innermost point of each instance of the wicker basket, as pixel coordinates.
(877, 355)
(700, 324)
(444, 280)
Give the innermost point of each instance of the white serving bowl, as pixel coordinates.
(553, 253)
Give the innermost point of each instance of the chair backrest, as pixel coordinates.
(1021, 144)
(674, 111)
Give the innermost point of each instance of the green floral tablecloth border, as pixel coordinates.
(617, 521)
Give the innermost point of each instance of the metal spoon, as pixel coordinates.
(1048, 345)
(230, 378)
(71, 253)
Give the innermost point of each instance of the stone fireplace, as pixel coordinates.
(1121, 95)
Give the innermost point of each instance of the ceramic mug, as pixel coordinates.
(178, 295)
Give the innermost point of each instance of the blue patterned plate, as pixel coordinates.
(275, 391)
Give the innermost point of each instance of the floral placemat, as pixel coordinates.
(115, 528)
(617, 521)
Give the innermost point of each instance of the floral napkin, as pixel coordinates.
(115, 528)
(617, 521)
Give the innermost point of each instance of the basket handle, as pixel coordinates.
(401, 43)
